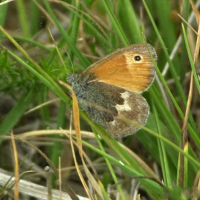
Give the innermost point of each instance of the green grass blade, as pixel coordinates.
(16, 113)
(23, 18)
(162, 153)
(3, 14)
(131, 27)
(72, 46)
(115, 23)
(196, 78)
(172, 68)
(111, 170)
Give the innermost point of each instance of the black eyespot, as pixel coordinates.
(137, 58)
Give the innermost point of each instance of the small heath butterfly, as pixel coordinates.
(110, 89)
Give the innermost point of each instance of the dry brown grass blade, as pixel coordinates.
(77, 128)
(78, 169)
(188, 24)
(60, 178)
(90, 177)
(195, 188)
(197, 15)
(76, 115)
(16, 190)
(184, 136)
(78, 135)
(79, 144)
(65, 187)
(92, 180)
(138, 197)
(42, 105)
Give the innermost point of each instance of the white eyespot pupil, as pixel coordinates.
(137, 58)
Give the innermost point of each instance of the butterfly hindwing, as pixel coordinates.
(117, 110)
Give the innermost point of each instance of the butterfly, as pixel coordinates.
(109, 91)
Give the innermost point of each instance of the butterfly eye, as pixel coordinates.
(137, 58)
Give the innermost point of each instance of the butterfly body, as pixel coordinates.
(109, 90)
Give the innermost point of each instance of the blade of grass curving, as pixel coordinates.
(32, 42)
(174, 146)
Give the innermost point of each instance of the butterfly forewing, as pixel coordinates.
(122, 68)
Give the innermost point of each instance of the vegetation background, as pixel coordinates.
(42, 41)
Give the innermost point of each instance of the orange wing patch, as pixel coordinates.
(123, 70)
